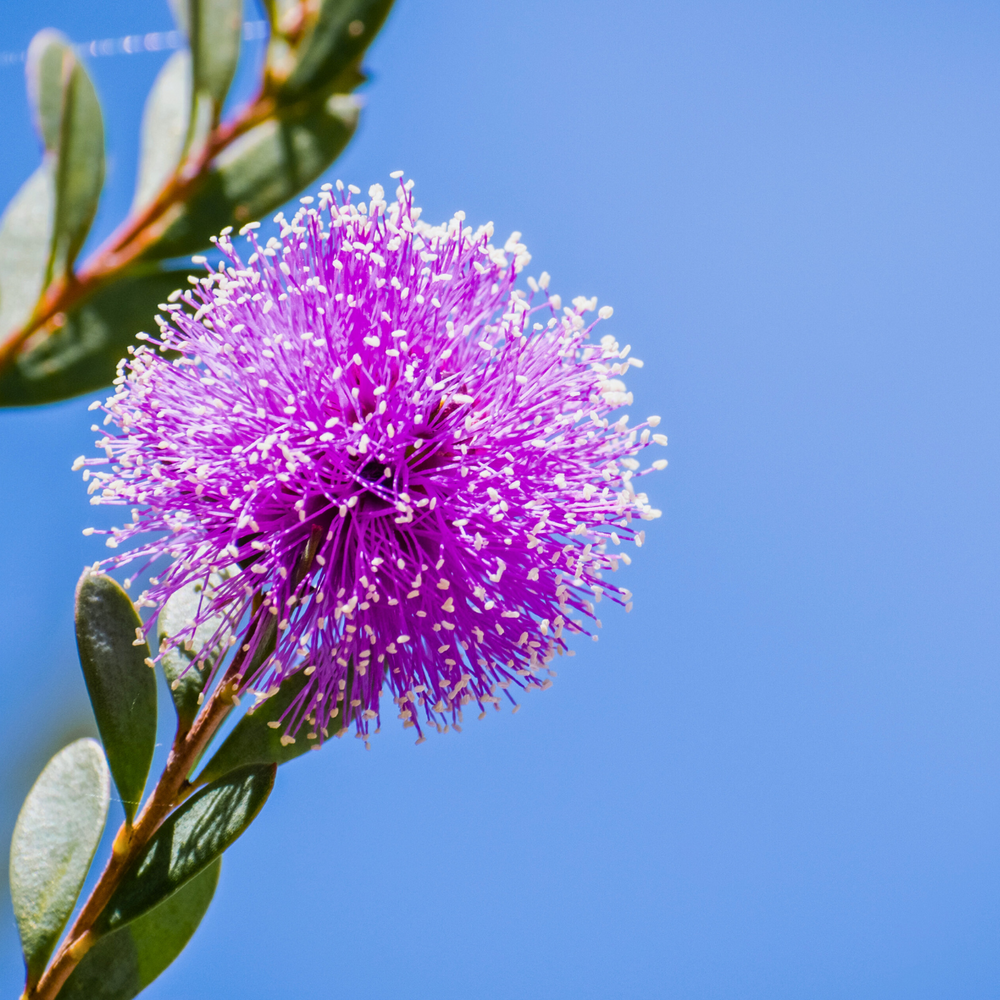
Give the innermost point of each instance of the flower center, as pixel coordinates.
(381, 477)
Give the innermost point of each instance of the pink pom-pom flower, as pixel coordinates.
(373, 435)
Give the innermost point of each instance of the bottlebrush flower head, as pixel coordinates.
(403, 457)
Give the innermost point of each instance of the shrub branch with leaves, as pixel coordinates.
(63, 326)
(362, 461)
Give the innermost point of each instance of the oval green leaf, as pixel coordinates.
(122, 687)
(258, 738)
(164, 128)
(80, 356)
(26, 248)
(189, 840)
(44, 69)
(126, 961)
(215, 30)
(185, 677)
(46, 223)
(80, 170)
(57, 833)
(262, 170)
(69, 120)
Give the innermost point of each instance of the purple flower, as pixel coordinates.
(404, 458)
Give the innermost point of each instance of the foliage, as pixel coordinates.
(63, 325)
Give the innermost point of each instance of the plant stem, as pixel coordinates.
(171, 789)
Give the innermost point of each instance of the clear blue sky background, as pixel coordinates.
(778, 777)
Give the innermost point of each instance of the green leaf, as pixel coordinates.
(44, 71)
(26, 248)
(185, 678)
(126, 961)
(262, 170)
(254, 741)
(122, 688)
(335, 44)
(189, 840)
(45, 225)
(215, 29)
(164, 127)
(80, 172)
(69, 120)
(57, 833)
(81, 355)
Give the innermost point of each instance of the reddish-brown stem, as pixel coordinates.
(133, 237)
(171, 789)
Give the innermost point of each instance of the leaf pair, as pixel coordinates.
(42, 231)
(123, 689)
(313, 65)
(162, 896)
(260, 171)
(313, 122)
(186, 101)
(45, 225)
(114, 657)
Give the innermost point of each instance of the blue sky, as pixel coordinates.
(778, 777)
